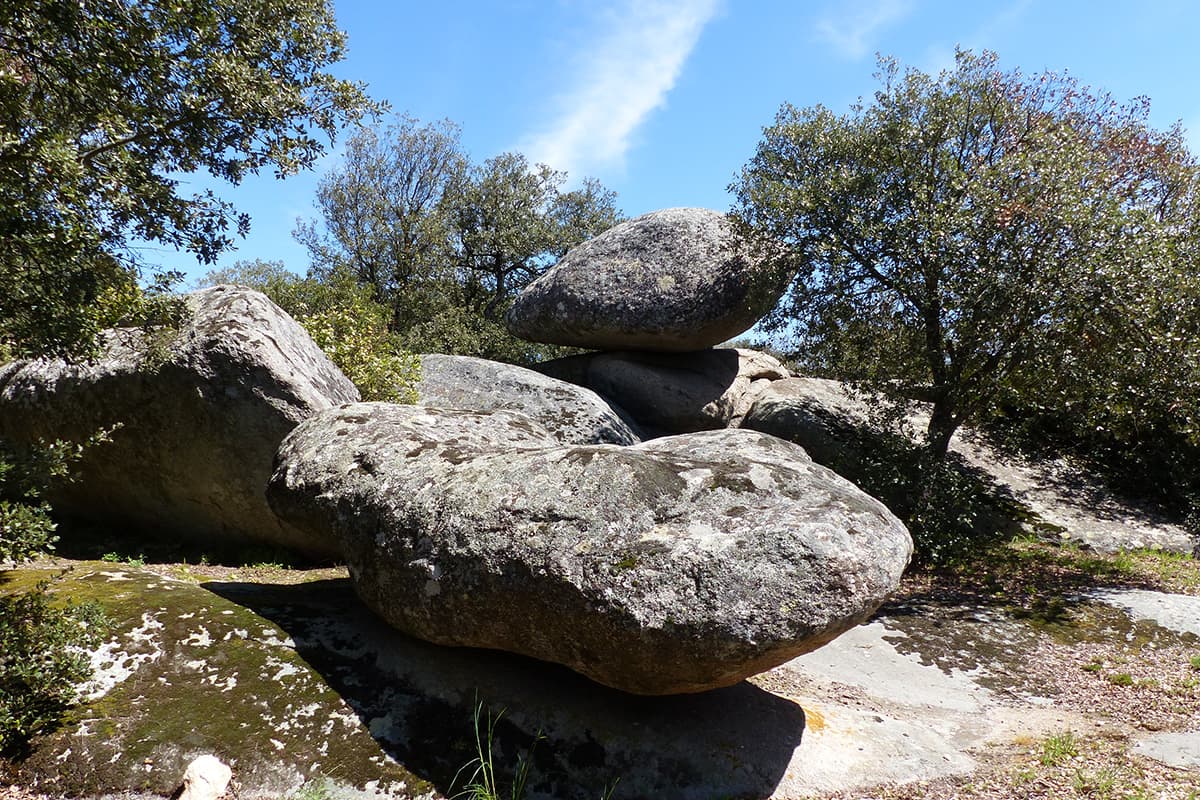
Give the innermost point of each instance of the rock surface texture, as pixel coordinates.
(675, 392)
(671, 280)
(573, 414)
(679, 565)
(200, 422)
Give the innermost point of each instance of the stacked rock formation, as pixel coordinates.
(510, 509)
(654, 295)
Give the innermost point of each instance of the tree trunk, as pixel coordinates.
(943, 422)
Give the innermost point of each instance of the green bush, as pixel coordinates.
(951, 509)
(42, 660)
(41, 646)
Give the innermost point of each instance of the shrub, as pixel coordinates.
(41, 646)
(42, 660)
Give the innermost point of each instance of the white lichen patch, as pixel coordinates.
(271, 638)
(285, 669)
(705, 537)
(200, 638)
(113, 662)
(225, 685)
(115, 576)
(240, 633)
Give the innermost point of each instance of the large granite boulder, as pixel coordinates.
(674, 392)
(672, 280)
(673, 566)
(573, 414)
(200, 420)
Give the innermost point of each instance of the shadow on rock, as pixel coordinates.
(419, 700)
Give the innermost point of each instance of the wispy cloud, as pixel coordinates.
(853, 29)
(633, 66)
(991, 34)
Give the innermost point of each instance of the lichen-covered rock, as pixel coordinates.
(199, 421)
(305, 692)
(674, 566)
(674, 392)
(573, 414)
(820, 415)
(671, 280)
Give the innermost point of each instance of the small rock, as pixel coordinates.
(206, 778)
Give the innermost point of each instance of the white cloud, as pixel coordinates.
(852, 31)
(633, 66)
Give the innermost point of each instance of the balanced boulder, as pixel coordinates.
(678, 565)
(200, 419)
(573, 414)
(673, 280)
(674, 392)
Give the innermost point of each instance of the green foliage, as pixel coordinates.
(102, 103)
(484, 782)
(343, 319)
(1058, 748)
(445, 244)
(41, 662)
(26, 528)
(980, 233)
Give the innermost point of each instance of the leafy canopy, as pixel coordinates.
(105, 104)
(963, 234)
(444, 243)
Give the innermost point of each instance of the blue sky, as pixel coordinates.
(664, 100)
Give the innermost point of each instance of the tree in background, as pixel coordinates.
(385, 215)
(103, 103)
(443, 243)
(966, 236)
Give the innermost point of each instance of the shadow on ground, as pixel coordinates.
(418, 701)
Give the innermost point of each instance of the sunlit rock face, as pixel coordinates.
(673, 566)
(200, 417)
(679, 279)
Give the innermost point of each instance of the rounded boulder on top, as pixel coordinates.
(675, 280)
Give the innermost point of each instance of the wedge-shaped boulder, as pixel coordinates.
(673, 280)
(573, 414)
(674, 392)
(200, 420)
(673, 566)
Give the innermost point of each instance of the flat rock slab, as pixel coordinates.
(302, 685)
(1177, 612)
(678, 565)
(1180, 750)
(572, 414)
(675, 280)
